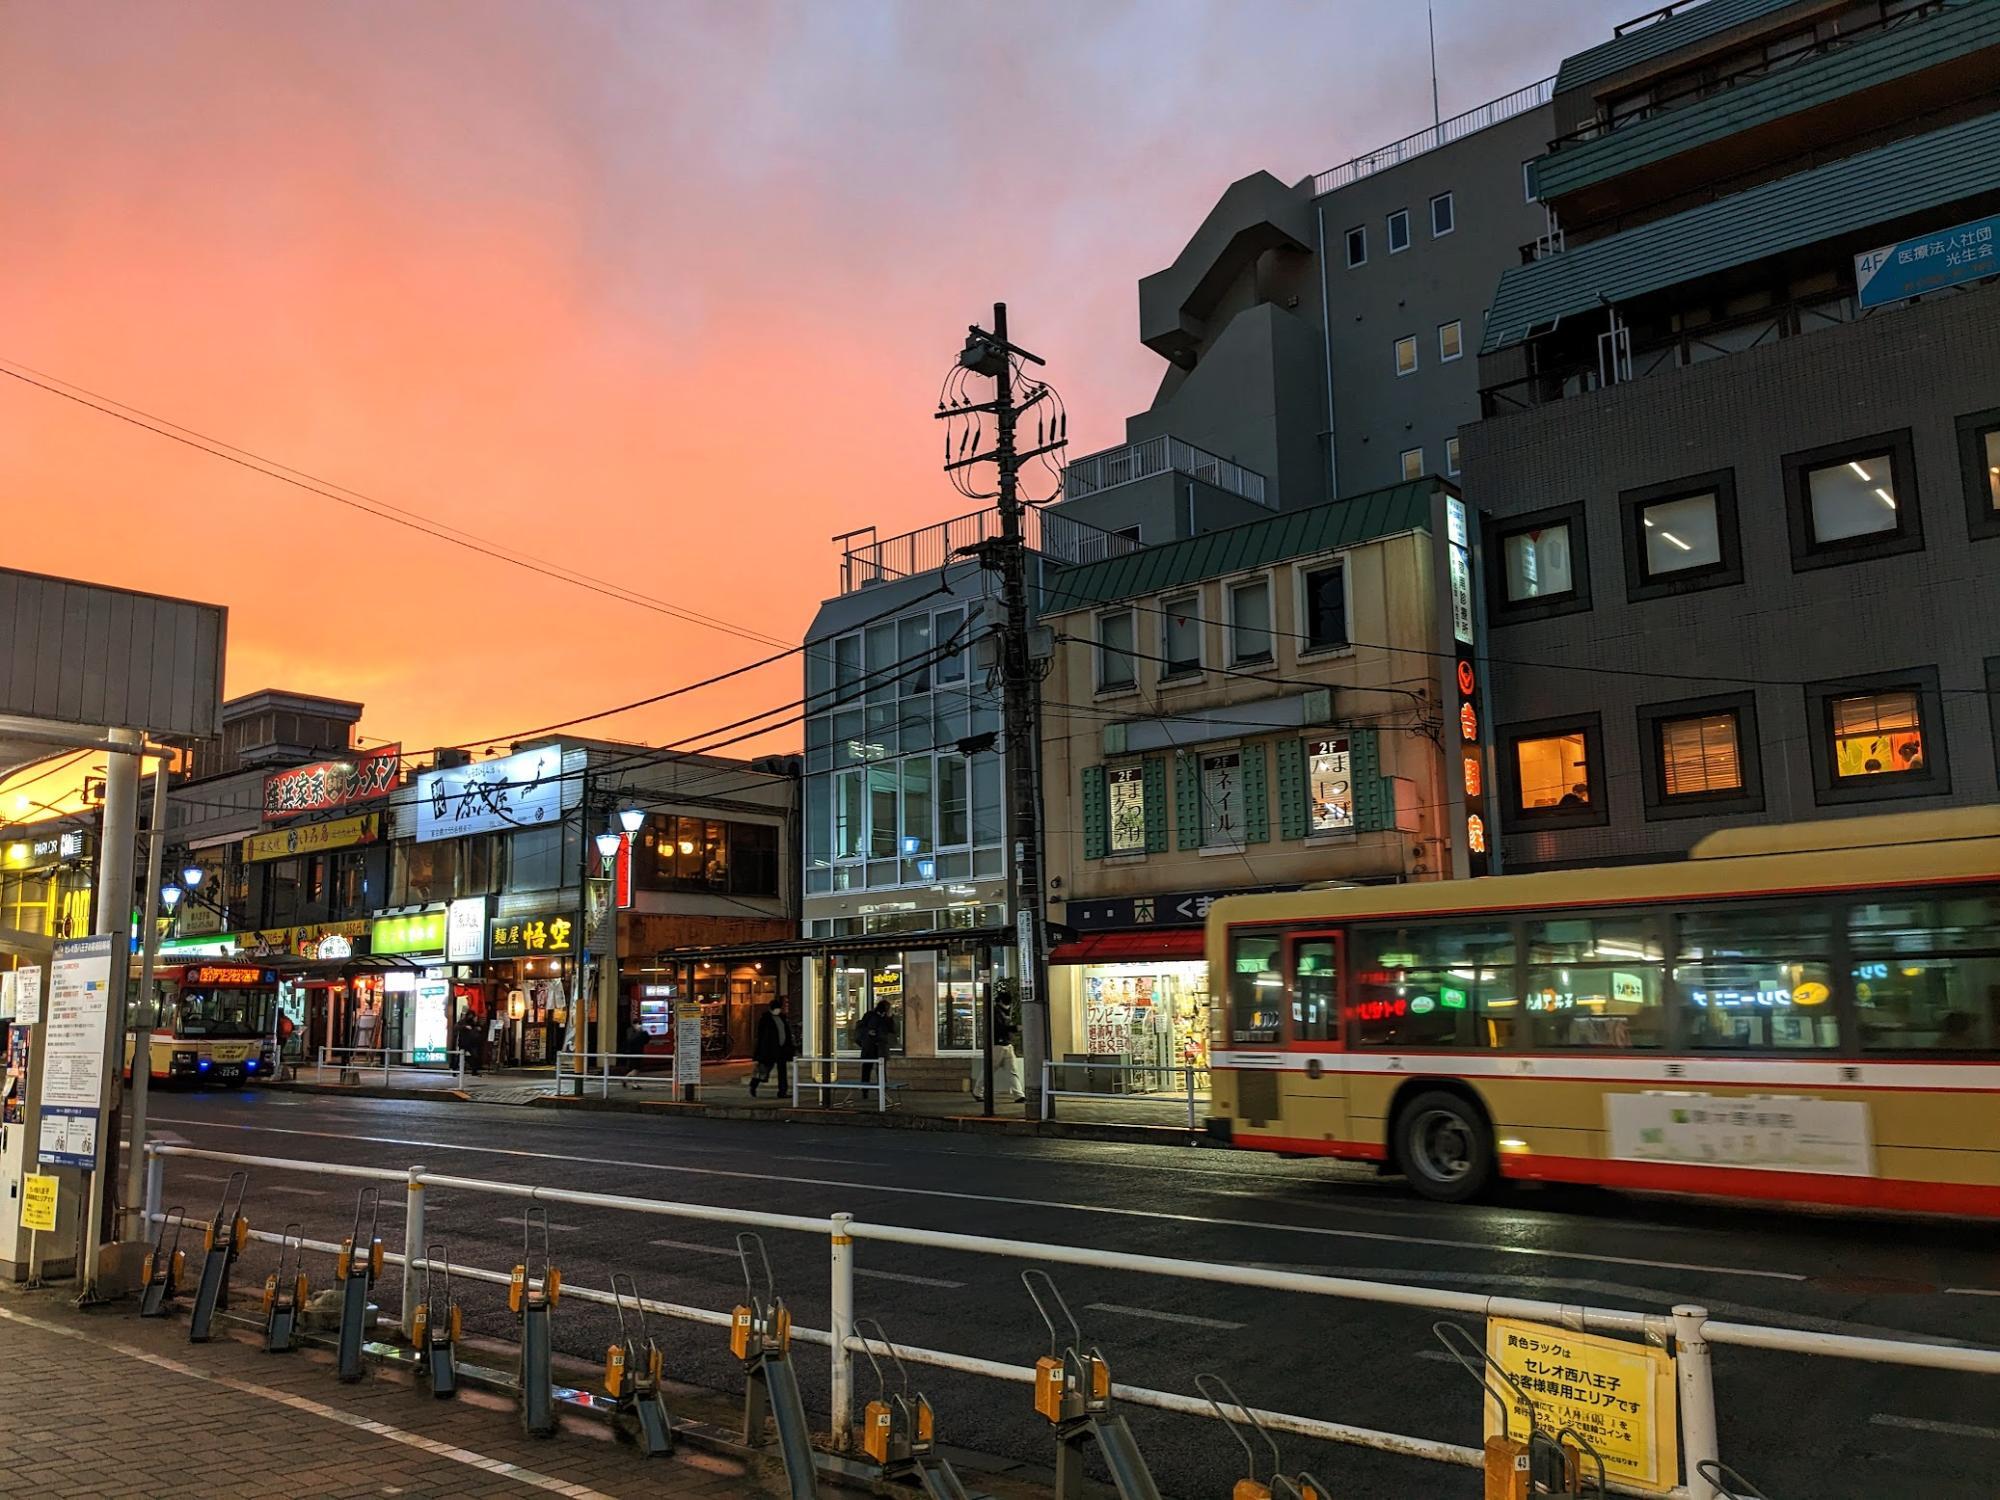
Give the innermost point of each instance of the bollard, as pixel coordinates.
(1696, 1372)
(1190, 1097)
(842, 1328)
(156, 1184)
(413, 1242)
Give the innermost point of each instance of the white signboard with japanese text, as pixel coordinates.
(1776, 1132)
(27, 995)
(68, 1138)
(495, 796)
(687, 1042)
(79, 1010)
(465, 930)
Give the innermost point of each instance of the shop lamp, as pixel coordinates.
(170, 896)
(607, 845)
(632, 819)
(192, 876)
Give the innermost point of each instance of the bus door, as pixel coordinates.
(1314, 1087)
(1248, 1045)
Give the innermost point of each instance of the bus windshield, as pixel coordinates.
(221, 1013)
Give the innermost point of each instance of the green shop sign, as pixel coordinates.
(420, 932)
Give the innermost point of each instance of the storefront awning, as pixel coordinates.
(1132, 947)
(873, 942)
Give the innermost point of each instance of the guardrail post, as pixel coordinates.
(1190, 1096)
(461, 1069)
(156, 1182)
(413, 1244)
(1048, 1090)
(1696, 1373)
(319, 1068)
(604, 1089)
(842, 1328)
(385, 1069)
(882, 1086)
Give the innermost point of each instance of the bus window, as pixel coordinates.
(1595, 982)
(1921, 982)
(1432, 987)
(1756, 977)
(1256, 989)
(1315, 990)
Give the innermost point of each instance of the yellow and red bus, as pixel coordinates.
(1806, 1012)
(213, 1024)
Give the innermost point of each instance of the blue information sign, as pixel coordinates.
(69, 1137)
(1909, 268)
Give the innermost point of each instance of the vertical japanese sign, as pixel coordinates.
(1466, 768)
(38, 1203)
(687, 1043)
(28, 995)
(79, 1011)
(1618, 1394)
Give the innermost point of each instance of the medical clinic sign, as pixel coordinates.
(328, 784)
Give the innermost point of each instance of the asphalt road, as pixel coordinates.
(1803, 1429)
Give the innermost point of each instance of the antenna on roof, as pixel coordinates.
(1430, 20)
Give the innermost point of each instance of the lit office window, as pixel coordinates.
(1876, 734)
(1700, 755)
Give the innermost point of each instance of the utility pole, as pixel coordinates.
(992, 355)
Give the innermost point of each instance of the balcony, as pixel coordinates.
(867, 560)
(1096, 472)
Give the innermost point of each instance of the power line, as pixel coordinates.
(355, 499)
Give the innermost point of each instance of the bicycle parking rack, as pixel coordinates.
(1279, 1486)
(356, 1269)
(1729, 1485)
(435, 1327)
(228, 1232)
(285, 1296)
(1514, 1469)
(532, 1302)
(1073, 1391)
(899, 1430)
(635, 1372)
(760, 1334)
(165, 1268)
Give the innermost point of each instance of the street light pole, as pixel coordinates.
(141, 1020)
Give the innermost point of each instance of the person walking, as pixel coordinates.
(467, 1038)
(1006, 1063)
(873, 1037)
(632, 1046)
(774, 1050)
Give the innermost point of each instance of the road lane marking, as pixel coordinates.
(1162, 1317)
(464, 1456)
(296, 1192)
(1105, 1210)
(1924, 1424)
(554, 1228)
(697, 1249)
(950, 1286)
(1970, 1291)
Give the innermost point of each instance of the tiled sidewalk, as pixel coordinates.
(104, 1404)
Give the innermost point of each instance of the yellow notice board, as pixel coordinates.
(38, 1203)
(1618, 1394)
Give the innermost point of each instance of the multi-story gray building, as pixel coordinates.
(1740, 453)
(1320, 337)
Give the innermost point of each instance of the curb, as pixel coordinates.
(368, 1091)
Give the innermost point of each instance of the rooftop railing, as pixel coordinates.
(1105, 470)
(867, 560)
(1442, 134)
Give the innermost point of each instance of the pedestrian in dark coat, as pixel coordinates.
(776, 1045)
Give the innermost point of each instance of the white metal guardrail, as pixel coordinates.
(1054, 1072)
(604, 1070)
(383, 1060)
(1687, 1330)
(826, 1075)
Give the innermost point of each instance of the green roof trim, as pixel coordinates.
(1255, 544)
(1661, 39)
(1905, 177)
(1879, 58)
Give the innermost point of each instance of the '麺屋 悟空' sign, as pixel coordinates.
(1928, 262)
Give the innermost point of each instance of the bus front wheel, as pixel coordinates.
(1445, 1147)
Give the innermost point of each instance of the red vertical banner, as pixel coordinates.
(622, 875)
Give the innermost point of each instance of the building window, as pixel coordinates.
(1853, 501)
(1412, 461)
(1701, 756)
(952, 801)
(1554, 772)
(1406, 356)
(950, 625)
(1442, 220)
(1528, 180)
(1681, 536)
(1878, 736)
(1323, 607)
(1222, 799)
(1537, 565)
(1180, 635)
(1979, 456)
(1250, 622)
(1451, 456)
(1451, 341)
(1115, 665)
(1330, 785)
(1125, 791)
(1357, 246)
(1399, 231)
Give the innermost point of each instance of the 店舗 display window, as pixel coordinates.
(1153, 1016)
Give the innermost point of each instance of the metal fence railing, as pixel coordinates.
(866, 559)
(578, 1073)
(871, 1076)
(1133, 1081)
(392, 1064)
(1158, 455)
(1687, 1330)
(1442, 134)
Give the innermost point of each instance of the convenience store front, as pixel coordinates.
(1137, 999)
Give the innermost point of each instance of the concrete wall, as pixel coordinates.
(1918, 368)
(1378, 414)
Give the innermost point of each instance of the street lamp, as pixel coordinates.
(632, 819)
(192, 876)
(170, 897)
(607, 846)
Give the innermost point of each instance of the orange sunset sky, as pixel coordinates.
(660, 292)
